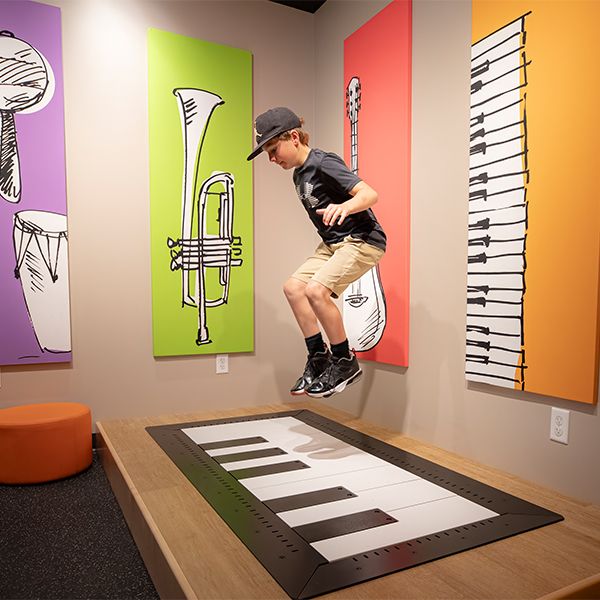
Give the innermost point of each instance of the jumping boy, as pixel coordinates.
(339, 204)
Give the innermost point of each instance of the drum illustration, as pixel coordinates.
(41, 253)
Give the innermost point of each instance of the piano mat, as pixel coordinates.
(323, 506)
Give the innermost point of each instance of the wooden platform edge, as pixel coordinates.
(168, 578)
(586, 589)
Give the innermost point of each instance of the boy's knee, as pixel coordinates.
(293, 288)
(316, 292)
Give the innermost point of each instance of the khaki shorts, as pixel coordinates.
(336, 266)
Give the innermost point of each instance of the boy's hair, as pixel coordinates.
(303, 135)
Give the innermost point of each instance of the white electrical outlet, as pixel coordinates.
(222, 363)
(559, 425)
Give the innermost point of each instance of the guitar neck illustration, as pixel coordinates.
(354, 146)
(364, 300)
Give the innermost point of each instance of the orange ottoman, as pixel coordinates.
(42, 442)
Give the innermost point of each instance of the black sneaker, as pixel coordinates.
(315, 365)
(340, 373)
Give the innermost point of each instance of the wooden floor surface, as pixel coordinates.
(190, 552)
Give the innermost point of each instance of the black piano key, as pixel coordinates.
(231, 443)
(330, 528)
(305, 499)
(249, 455)
(283, 467)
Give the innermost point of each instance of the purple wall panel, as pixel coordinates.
(41, 149)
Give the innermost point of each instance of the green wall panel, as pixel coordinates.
(216, 138)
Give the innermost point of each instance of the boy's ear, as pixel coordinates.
(295, 135)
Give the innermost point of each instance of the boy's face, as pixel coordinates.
(284, 152)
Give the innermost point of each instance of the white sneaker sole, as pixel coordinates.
(340, 387)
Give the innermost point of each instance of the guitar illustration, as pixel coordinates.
(364, 301)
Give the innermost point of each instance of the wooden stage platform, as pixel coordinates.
(190, 552)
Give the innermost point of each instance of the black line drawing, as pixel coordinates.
(196, 251)
(498, 208)
(42, 263)
(26, 85)
(364, 301)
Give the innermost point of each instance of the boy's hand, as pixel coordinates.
(334, 214)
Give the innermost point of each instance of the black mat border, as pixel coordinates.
(298, 568)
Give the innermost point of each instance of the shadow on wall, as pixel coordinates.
(283, 348)
(380, 397)
(484, 388)
(436, 402)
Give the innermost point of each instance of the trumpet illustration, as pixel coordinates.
(196, 251)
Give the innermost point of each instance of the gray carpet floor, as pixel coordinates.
(68, 539)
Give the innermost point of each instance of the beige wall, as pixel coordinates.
(298, 60)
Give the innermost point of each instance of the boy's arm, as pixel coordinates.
(363, 197)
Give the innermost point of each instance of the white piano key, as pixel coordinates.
(498, 264)
(488, 378)
(495, 154)
(506, 326)
(355, 481)
(271, 429)
(508, 162)
(319, 468)
(387, 498)
(493, 135)
(509, 361)
(497, 248)
(497, 187)
(498, 209)
(498, 295)
(506, 376)
(503, 181)
(506, 281)
(491, 310)
(498, 64)
(413, 522)
(502, 104)
(497, 93)
(501, 38)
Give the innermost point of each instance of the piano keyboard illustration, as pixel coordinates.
(323, 506)
(498, 181)
(338, 498)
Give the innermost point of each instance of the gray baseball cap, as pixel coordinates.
(272, 123)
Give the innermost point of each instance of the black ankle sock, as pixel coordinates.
(341, 350)
(315, 344)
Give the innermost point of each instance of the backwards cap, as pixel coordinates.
(272, 123)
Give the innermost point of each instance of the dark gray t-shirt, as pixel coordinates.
(325, 179)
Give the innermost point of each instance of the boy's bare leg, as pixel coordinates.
(295, 292)
(326, 311)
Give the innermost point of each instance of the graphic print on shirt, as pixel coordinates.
(306, 196)
(364, 301)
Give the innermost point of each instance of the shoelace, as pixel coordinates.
(327, 376)
(311, 366)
